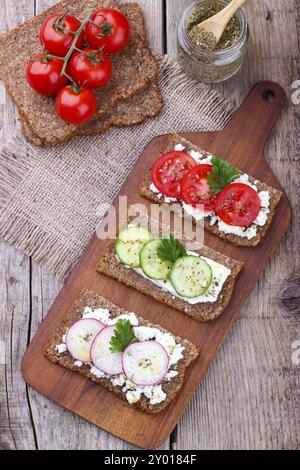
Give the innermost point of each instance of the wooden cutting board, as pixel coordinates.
(242, 142)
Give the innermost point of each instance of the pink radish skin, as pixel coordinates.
(109, 363)
(77, 347)
(156, 350)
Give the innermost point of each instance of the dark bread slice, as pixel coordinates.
(92, 300)
(111, 266)
(129, 112)
(275, 197)
(134, 68)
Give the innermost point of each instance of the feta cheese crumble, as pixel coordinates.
(133, 392)
(198, 214)
(61, 348)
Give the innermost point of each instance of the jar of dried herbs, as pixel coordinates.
(194, 49)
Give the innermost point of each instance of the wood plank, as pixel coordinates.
(278, 61)
(15, 420)
(154, 15)
(87, 399)
(81, 434)
(270, 56)
(16, 430)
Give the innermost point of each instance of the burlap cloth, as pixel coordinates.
(49, 197)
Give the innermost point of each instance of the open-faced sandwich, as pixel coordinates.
(199, 284)
(140, 362)
(234, 206)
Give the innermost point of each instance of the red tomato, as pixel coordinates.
(57, 41)
(169, 170)
(76, 106)
(195, 189)
(91, 69)
(238, 204)
(113, 30)
(43, 75)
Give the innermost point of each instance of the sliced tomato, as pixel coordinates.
(195, 189)
(169, 170)
(238, 204)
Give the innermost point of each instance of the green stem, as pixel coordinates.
(76, 36)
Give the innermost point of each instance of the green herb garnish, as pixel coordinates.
(170, 250)
(222, 175)
(123, 336)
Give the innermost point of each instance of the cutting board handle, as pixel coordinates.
(257, 115)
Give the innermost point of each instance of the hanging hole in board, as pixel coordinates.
(269, 96)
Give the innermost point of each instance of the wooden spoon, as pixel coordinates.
(216, 25)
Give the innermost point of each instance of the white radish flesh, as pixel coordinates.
(145, 363)
(108, 362)
(80, 337)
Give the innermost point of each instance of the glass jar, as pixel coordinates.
(211, 66)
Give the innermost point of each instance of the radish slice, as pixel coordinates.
(81, 336)
(145, 363)
(102, 357)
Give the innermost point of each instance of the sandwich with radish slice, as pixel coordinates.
(142, 363)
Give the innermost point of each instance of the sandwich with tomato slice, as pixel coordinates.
(233, 205)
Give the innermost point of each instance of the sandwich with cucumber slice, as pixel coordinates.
(199, 284)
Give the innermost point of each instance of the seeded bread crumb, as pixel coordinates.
(132, 111)
(92, 300)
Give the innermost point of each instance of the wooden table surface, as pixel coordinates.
(250, 397)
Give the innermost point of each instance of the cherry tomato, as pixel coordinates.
(76, 106)
(195, 188)
(43, 75)
(113, 30)
(91, 69)
(169, 170)
(238, 204)
(57, 41)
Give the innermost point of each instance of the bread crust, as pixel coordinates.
(129, 112)
(275, 197)
(92, 300)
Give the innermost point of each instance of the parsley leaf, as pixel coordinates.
(170, 250)
(223, 174)
(123, 336)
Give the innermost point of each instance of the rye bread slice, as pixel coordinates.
(129, 112)
(134, 69)
(110, 266)
(92, 300)
(275, 197)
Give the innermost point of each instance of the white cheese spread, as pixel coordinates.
(198, 214)
(166, 199)
(61, 348)
(154, 393)
(179, 148)
(220, 274)
(100, 314)
(78, 363)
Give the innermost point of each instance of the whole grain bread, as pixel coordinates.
(275, 197)
(133, 69)
(129, 112)
(110, 266)
(92, 300)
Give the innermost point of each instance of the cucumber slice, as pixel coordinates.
(191, 276)
(151, 264)
(129, 244)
